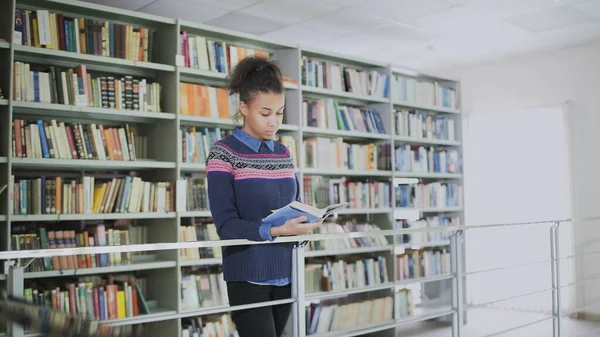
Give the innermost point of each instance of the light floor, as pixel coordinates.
(484, 322)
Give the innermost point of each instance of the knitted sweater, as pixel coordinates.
(243, 187)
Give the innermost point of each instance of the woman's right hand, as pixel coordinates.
(295, 227)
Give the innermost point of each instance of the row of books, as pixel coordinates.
(348, 226)
(322, 317)
(197, 141)
(424, 92)
(420, 263)
(200, 231)
(427, 222)
(199, 52)
(418, 124)
(60, 140)
(87, 195)
(329, 114)
(77, 87)
(203, 288)
(196, 192)
(209, 326)
(427, 159)
(113, 297)
(339, 275)
(429, 195)
(206, 101)
(335, 153)
(343, 78)
(97, 235)
(50, 30)
(322, 191)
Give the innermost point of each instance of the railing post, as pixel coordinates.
(457, 291)
(298, 291)
(554, 263)
(16, 277)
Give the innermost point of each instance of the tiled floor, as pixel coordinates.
(484, 322)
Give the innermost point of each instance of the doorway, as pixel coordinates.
(516, 170)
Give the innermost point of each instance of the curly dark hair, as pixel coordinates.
(254, 75)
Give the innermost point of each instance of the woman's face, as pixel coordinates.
(264, 114)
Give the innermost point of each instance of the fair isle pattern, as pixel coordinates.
(222, 158)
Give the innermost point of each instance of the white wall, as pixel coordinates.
(547, 79)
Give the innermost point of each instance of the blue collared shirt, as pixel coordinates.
(265, 228)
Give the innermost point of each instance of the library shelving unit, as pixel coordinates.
(141, 98)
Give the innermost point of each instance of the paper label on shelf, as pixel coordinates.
(81, 100)
(17, 38)
(179, 60)
(399, 250)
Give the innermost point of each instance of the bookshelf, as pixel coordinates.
(403, 132)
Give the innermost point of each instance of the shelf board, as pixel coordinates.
(71, 111)
(222, 123)
(3, 102)
(3, 160)
(359, 250)
(399, 210)
(231, 36)
(2, 218)
(427, 175)
(363, 330)
(192, 167)
(341, 58)
(91, 164)
(402, 283)
(156, 314)
(420, 141)
(218, 309)
(349, 211)
(309, 130)
(323, 295)
(425, 245)
(206, 121)
(347, 95)
(288, 127)
(201, 262)
(102, 216)
(201, 73)
(102, 270)
(63, 58)
(422, 314)
(426, 107)
(339, 172)
(4, 45)
(291, 86)
(195, 214)
(100, 11)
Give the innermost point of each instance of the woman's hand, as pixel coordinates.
(295, 227)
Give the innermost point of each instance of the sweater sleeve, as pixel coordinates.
(219, 174)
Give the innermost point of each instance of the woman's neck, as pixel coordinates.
(249, 131)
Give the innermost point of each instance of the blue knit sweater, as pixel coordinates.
(245, 183)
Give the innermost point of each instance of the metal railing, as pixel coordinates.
(458, 276)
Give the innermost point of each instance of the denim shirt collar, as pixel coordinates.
(250, 141)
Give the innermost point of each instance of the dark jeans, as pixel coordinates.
(259, 322)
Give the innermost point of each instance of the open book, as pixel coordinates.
(296, 209)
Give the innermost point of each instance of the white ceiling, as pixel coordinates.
(419, 34)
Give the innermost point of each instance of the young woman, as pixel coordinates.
(249, 174)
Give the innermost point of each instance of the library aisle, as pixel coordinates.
(109, 110)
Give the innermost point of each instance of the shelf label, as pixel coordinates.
(179, 60)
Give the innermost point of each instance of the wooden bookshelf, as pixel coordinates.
(166, 65)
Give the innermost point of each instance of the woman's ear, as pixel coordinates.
(243, 109)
